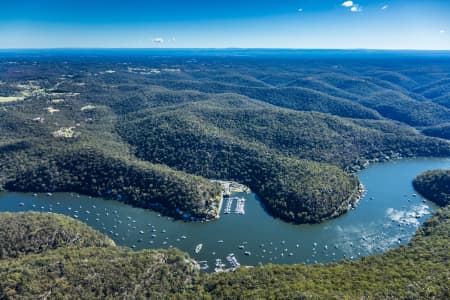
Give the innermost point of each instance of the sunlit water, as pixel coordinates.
(386, 217)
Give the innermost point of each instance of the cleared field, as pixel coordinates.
(11, 99)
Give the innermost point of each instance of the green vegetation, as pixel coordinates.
(397, 106)
(434, 185)
(418, 270)
(441, 131)
(94, 161)
(285, 156)
(144, 185)
(337, 94)
(296, 98)
(153, 131)
(27, 233)
(56, 257)
(99, 273)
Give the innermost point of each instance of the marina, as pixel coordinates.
(239, 208)
(386, 217)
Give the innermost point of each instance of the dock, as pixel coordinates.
(227, 209)
(240, 206)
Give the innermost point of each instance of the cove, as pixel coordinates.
(386, 217)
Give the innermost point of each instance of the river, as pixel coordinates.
(387, 216)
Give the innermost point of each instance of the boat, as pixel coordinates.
(198, 248)
(228, 205)
(232, 260)
(240, 206)
(203, 264)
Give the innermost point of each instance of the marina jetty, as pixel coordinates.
(229, 187)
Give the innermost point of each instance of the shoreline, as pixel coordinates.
(356, 196)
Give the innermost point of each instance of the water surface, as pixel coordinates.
(386, 217)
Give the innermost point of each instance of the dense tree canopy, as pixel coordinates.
(434, 185)
(151, 131)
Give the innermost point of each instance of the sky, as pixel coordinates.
(310, 24)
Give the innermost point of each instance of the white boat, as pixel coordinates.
(198, 248)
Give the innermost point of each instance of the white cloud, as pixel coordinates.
(158, 40)
(442, 31)
(384, 7)
(356, 8)
(347, 4)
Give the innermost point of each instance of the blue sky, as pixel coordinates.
(375, 24)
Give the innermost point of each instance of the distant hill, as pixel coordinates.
(435, 89)
(441, 131)
(443, 100)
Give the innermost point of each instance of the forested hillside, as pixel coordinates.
(88, 270)
(434, 185)
(32, 233)
(274, 151)
(441, 131)
(56, 257)
(152, 130)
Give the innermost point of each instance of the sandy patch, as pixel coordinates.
(11, 99)
(65, 132)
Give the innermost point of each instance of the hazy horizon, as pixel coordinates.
(251, 24)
